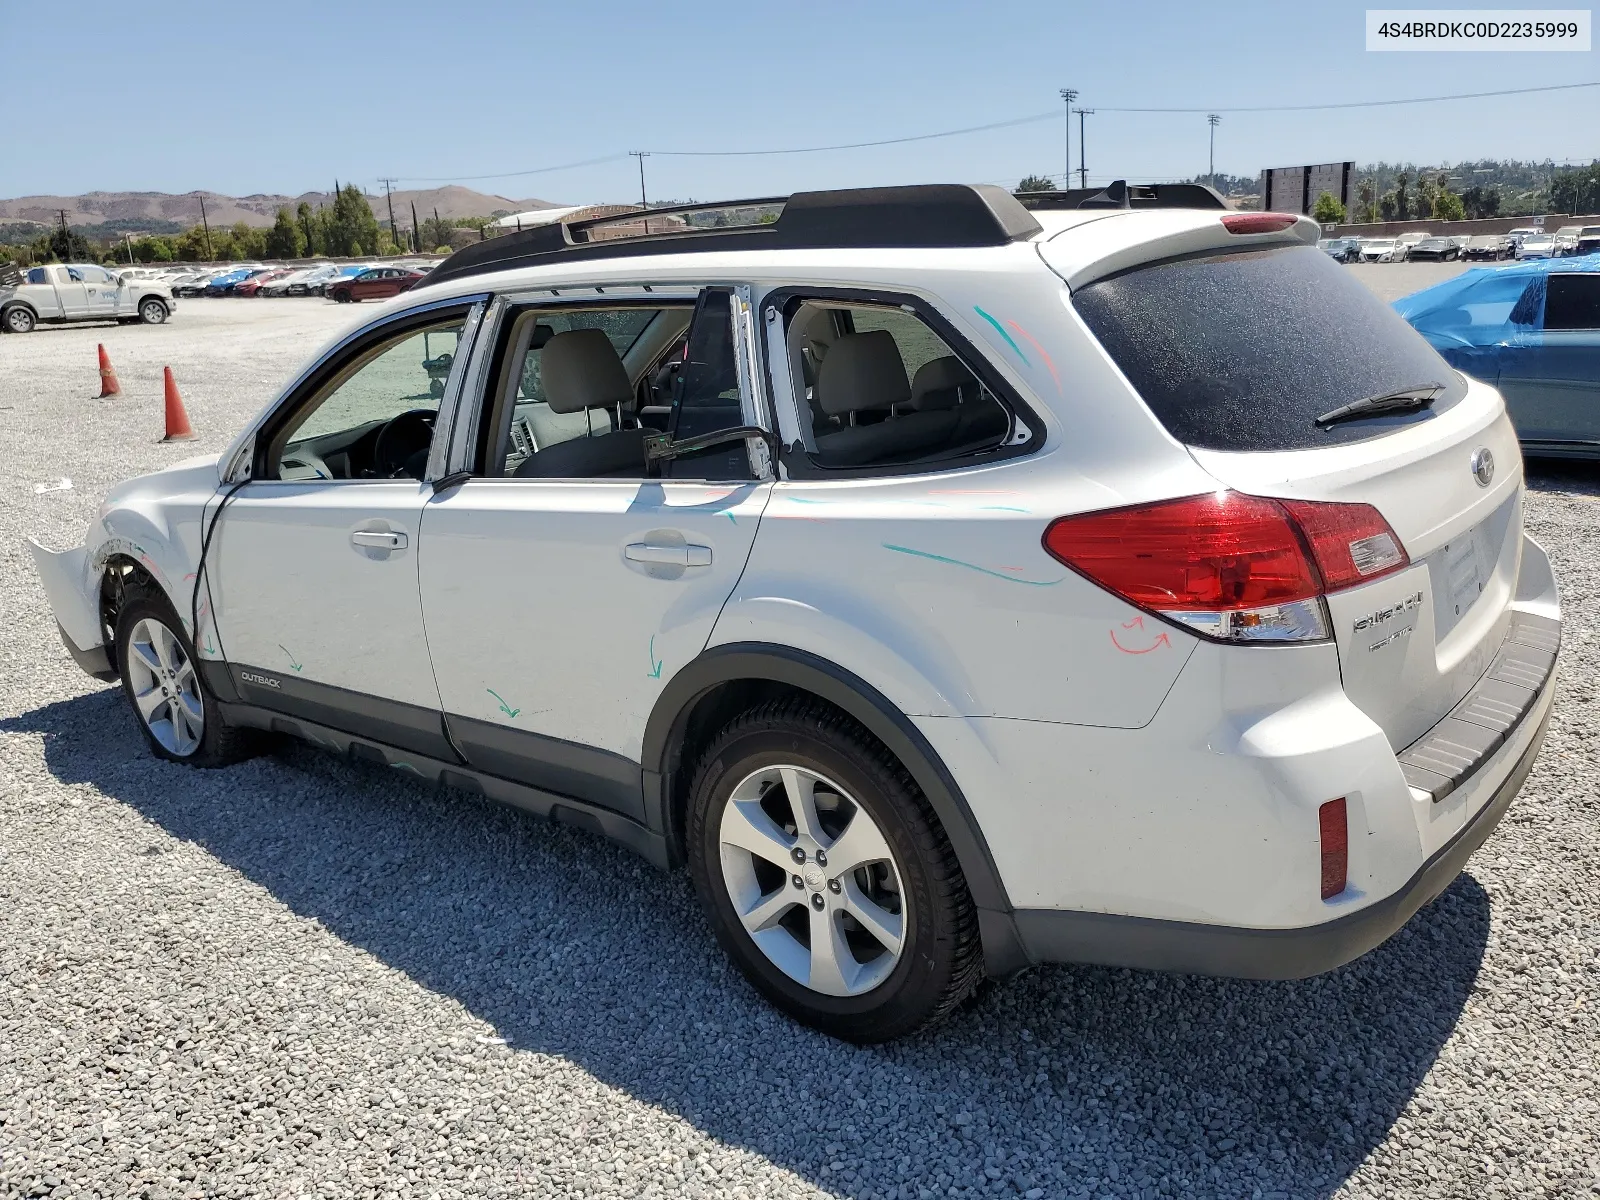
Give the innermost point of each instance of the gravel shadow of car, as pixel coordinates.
(1068, 1079)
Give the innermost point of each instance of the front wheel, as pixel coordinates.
(827, 878)
(152, 312)
(19, 320)
(160, 676)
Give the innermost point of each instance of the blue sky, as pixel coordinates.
(285, 97)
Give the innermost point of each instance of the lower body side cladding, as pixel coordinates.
(1193, 843)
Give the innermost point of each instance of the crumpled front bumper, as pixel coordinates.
(69, 583)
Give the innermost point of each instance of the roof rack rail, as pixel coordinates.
(1122, 194)
(920, 216)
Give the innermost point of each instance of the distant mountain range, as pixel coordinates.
(161, 209)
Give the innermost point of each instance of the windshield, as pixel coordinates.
(1243, 350)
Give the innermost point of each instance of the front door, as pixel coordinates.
(101, 291)
(1551, 384)
(558, 605)
(314, 564)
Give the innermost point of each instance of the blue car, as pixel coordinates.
(1532, 329)
(223, 285)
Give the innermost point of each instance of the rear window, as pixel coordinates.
(1244, 350)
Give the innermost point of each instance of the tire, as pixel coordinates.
(152, 311)
(912, 957)
(341, 297)
(18, 319)
(183, 723)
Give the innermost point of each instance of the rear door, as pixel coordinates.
(1238, 352)
(1551, 380)
(558, 608)
(70, 290)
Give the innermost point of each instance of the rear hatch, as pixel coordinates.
(1237, 349)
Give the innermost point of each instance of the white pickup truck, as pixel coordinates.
(78, 292)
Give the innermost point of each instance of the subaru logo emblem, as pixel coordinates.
(1482, 466)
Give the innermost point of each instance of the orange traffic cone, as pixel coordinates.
(178, 429)
(108, 377)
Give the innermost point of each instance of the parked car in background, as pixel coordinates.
(376, 283)
(1342, 249)
(193, 283)
(280, 284)
(316, 284)
(1490, 246)
(252, 286)
(1588, 240)
(62, 292)
(1381, 250)
(1567, 240)
(1434, 249)
(223, 285)
(1406, 240)
(1538, 245)
(1522, 231)
(1532, 329)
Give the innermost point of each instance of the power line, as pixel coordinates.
(571, 166)
(1034, 118)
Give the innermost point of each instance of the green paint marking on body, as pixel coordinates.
(504, 707)
(655, 663)
(293, 662)
(956, 562)
(1001, 330)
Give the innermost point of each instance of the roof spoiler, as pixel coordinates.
(922, 216)
(1122, 194)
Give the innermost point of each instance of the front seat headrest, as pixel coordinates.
(862, 371)
(940, 383)
(580, 370)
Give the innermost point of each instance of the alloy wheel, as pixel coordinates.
(165, 689)
(813, 881)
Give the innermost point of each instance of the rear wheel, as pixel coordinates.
(19, 319)
(178, 716)
(826, 876)
(342, 296)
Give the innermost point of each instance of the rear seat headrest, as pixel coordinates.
(940, 383)
(862, 371)
(580, 370)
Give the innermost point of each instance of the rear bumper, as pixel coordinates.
(1049, 935)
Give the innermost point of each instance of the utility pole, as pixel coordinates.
(644, 204)
(206, 225)
(1213, 120)
(1083, 169)
(394, 233)
(1068, 95)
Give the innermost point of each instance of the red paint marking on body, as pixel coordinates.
(1161, 640)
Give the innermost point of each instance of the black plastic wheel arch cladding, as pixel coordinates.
(758, 662)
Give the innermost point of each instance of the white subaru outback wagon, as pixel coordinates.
(950, 585)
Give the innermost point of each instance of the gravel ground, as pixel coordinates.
(306, 977)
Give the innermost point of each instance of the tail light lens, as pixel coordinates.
(1333, 826)
(1229, 566)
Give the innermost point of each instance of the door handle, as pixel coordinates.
(379, 539)
(669, 556)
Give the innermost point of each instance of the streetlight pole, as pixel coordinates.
(1083, 169)
(1068, 95)
(1213, 120)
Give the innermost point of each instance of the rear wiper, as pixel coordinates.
(1401, 400)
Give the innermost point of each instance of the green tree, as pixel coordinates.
(1327, 210)
(284, 239)
(309, 228)
(1402, 198)
(1575, 191)
(349, 223)
(1447, 206)
(1366, 192)
(68, 245)
(1388, 206)
(1481, 202)
(1035, 183)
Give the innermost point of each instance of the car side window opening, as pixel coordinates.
(1572, 302)
(374, 419)
(582, 386)
(884, 389)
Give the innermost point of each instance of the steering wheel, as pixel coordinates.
(401, 441)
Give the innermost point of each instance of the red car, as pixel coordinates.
(251, 286)
(374, 284)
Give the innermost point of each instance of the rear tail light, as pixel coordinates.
(1257, 222)
(1229, 566)
(1334, 828)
